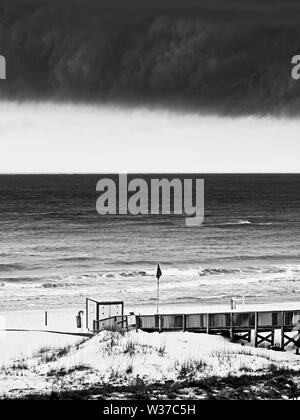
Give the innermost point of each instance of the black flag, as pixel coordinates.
(158, 272)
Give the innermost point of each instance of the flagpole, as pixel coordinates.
(157, 296)
(158, 275)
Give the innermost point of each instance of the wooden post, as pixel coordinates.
(273, 338)
(46, 318)
(207, 323)
(159, 323)
(184, 322)
(231, 327)
(256, 330)
(282, 331)
(87, 313)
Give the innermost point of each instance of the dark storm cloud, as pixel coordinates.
(228, 56)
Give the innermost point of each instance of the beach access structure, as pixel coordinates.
(98, 315)
(246, 325)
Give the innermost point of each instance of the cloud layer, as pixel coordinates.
(232, 59)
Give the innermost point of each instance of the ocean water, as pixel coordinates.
(56, 250)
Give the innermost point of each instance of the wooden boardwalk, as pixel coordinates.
(235, 324)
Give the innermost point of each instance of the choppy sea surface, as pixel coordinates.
(56, 250)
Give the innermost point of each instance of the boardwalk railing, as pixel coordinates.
(220, 321)
(241, 324)
(234, 324)
(111, 323)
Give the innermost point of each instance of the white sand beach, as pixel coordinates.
(113, 359)
(26, 331)
(37, 361)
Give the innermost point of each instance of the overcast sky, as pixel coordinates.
(81, 139)
(228, 57)
(217, 72)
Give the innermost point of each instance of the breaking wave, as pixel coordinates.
(244, 222)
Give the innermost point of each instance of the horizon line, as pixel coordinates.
(146, 173)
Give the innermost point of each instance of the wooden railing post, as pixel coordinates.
(256, 330)
(126, 321)
(207, 323)
(184, 322)
(231, 327)
(282, 330)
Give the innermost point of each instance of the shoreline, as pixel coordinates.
(188, 307)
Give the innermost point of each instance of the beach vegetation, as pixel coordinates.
(20, 365)
(190, 368)
(161, 350)
(65, 372)
(130, 348)
(129, 369)
(41, 351)
(281, 383)
(137, 366)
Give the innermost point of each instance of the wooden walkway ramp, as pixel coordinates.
(234, 324)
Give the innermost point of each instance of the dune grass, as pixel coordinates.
(273, 384)
(235, 373)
